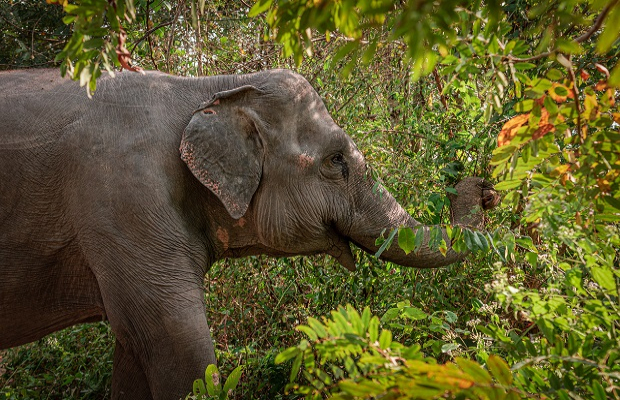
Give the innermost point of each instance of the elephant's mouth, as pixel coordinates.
(341, 250)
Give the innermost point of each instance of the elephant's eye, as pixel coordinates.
(338, 159)
(335, 166)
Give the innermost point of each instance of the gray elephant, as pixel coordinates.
(114, 208)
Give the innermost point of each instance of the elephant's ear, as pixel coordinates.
(222, 147)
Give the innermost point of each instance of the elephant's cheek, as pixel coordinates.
(305, 161)
(222, 236)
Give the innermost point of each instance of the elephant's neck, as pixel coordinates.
(236, 238)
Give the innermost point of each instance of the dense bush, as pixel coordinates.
(522, 93)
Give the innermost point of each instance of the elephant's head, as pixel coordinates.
(269, 150)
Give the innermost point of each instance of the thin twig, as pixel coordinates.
(440, 88)
(407, 132)
(171, 36)
(575, 91)
(150, 41)
(148, 33)
(597, 23)
(596, 26)
(246, 4)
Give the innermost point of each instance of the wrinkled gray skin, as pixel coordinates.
(114, 208)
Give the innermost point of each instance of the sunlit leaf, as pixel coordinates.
(499, 369)
(406, 239)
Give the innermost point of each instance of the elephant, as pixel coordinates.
(113, 208)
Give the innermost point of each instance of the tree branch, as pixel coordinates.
(596, 26)
(148, 33)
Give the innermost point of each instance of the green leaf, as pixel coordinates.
(614, 77)
(387, 242)
(414, 313)
(523, 66)
(610, 31)
(308, 331)
(474, 370)
(296, 366)
(385, 340)
(568, 46)
(526, 243)
(373, 329)
(599, 391)
(355, 319)
(199, 388)
(604, 276)
(613, 202)
(449, 347)
(451, 317)
(365, 320)
(555, 74)
(317, 326)
(287, 354)
(259, 7)
(355, 388)
(390, 315)
(499, 369)
(419, 238)
(211, 374)
(233, 379)
(482, 241)
(406, 239)
(508, 184)
(469, 241)
(502, 153)
(524, 106)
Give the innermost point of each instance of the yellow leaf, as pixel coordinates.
(561, 170)
(560, 93)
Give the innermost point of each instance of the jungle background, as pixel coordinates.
(521, 92)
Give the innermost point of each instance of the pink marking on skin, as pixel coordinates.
(216, 102)
(209, 111)
(187, 155)
(222, 236)
(305, 161)
(241, 222)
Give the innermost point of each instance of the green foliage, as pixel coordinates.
(32, 34)
(75, 363)
(564, 152)
(423, 29)
(211, 387)
(97, 36)
(557, 161)
(348, 356)
(521, 92)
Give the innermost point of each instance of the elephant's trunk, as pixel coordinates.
(379, 211)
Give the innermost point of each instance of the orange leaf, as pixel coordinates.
(601, 85)
(604, 185)
(510, 128)
(584, 74)
(544, 116)
(610, 95)
(543, 130)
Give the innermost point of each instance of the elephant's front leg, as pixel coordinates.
(128, 378)
(163, 340)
